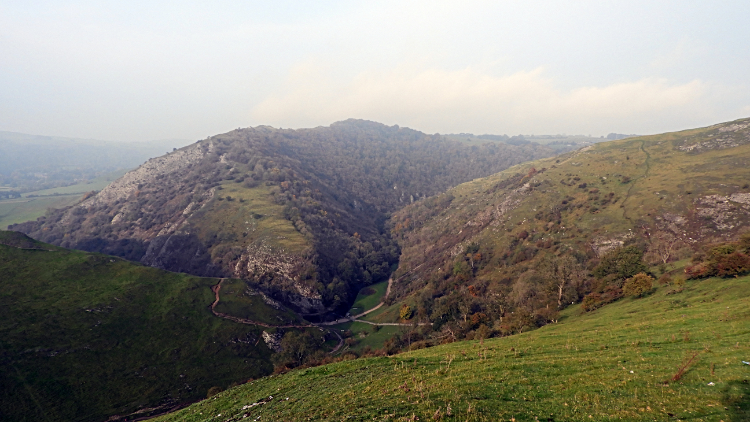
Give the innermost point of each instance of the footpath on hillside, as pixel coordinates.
(217, 289)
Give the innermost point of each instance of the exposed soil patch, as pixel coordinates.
(367, 291)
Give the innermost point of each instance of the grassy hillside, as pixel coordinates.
(616, 363)
(85, 336)
(501, 244)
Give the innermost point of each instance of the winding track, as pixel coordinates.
(217, 288)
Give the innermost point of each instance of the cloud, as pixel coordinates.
(445, 101)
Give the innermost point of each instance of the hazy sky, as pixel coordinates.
(140, 70)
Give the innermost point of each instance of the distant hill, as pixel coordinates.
(559, 143)
(86, 337)
(34, 162)
(502, 254)
(298, 213)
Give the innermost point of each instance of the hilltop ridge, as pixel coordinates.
(298, 213)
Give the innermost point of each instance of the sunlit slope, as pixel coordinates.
(691, 186)
(616, 363)
(86, 336)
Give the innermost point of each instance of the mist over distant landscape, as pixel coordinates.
(123, 71)
(32, 162)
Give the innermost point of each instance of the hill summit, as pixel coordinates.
(298, 213)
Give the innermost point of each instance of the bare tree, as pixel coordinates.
(563, 272)
(663, 244)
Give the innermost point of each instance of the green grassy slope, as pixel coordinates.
(616, 363)
(369, 297)
(85, 336)
(692, 187)
(248, 218)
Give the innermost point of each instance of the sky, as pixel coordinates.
(141, 70)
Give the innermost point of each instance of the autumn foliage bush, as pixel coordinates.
(405, 312)
(724, 260)
(638, 285)
(596, 300)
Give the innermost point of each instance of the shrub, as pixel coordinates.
(637, 285)
(697, 271)
(597, 300)
(725, 260)
(592, 301)
(405, 312)
(665, 279)
(733, 264)
(623, 262)
(678, 283)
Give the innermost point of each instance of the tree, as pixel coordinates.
(663, 245)
(623, 262)
(562, 272)
(296, 346)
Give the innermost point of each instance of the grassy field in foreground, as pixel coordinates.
(616, 363)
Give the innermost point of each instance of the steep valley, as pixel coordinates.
(517, 284)
(503, 254)
(297, 213)
(619, 363)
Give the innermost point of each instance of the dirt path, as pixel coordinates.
(378, 306)
(382, 302)
(338, 346)
(216, 290)
(392, 323)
